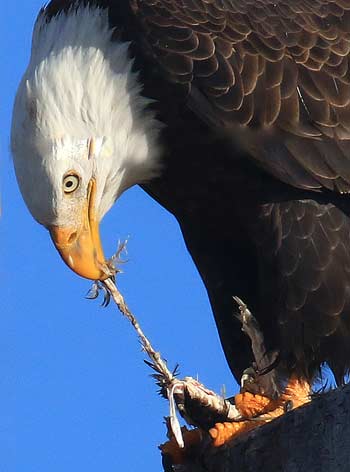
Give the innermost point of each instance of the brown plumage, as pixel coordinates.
(278, 68)
(256, 98)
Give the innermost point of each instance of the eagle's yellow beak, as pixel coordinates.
(81, 248)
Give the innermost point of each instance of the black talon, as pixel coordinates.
(288, 406)
(270, 367)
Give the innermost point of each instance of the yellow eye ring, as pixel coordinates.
(70, 183)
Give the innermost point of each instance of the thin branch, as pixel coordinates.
(146, 345)
(198, 405)
(188, 394)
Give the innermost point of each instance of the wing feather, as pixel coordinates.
(273, 71)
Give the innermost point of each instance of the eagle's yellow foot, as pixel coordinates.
(179, 455)
(259, 409)
(221, 433)
(250, 405)
(296, 393)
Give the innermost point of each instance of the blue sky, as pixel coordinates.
(74, 391)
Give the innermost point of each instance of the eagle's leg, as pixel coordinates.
(261, 399)
(256, 410)
(261, 377)
(259, 409)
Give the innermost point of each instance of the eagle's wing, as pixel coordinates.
(274, 73)
(310, 244)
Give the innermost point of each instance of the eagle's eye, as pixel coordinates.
(70, 183)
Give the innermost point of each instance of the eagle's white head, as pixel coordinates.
(81, 133)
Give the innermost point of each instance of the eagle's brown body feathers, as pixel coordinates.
(256, 98)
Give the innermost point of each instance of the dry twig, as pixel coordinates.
(198, 405)
(181, 393)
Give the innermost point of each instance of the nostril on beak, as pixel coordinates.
(72, 237)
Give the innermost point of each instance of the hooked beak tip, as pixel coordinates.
(80, 252)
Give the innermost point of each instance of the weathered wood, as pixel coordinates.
(313, 438)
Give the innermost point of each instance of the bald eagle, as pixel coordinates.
(235, 116)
